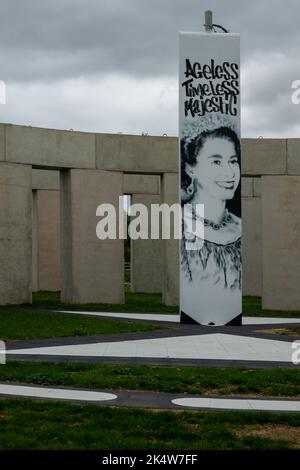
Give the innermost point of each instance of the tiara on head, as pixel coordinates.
(193, 127)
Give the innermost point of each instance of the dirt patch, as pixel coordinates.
(193, 427)
(281, 331)
(229, 392)
(290, 434)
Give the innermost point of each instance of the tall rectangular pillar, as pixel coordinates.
(146, 255)
(170, 258)
(281, 242)
(252, 246)
(35, 269)
(46, 240)
(92, 270)
(15, 233)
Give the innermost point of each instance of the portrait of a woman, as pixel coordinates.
(211, 275)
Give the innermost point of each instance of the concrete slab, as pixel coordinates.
(146, 255)
(238, 404)
(293, 156)
(49, 147)
(281, 242)
(45, 180)
(174, 318)
(2, 142)
(269, 320)
(216, 346)
(257, 187)
(264, 157)
(162, 317)
(170, 281)
(141, 184)
(136, 154)
(15, 233)
(92, 269)
(247, 187)
(47, 227)
(55, 393)
(252, 246)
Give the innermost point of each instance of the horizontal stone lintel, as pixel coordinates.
(60, 149)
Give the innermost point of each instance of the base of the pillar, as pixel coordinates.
(187, 320)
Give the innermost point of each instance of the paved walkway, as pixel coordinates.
(204, 346)
(194, 345)
(217, 346)
(173, 318)
(152, 400)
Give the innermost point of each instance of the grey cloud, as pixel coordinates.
(62, 38)
(49, 42)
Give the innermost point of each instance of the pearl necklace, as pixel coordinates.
(215, 226)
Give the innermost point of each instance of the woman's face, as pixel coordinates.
(217, 170)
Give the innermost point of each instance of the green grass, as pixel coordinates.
(252, 306)
(27, 424)
(229, 381)
(133, 303)
(27, 322)
(149, 303)
(21, 323)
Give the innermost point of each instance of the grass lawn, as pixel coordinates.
(26, 322)
(133, 303)
(28, 424)
(191, 380)
(149, 303)
(252, 307)
(17, 322)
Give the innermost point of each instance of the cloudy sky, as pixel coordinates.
(112, 65)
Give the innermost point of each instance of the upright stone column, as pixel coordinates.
(146, 255)
(170, 256)
(46, 250)
(15, 233)
(35, 258)
(92, 270)
(252, 238)
(252, 246)
(281, 242)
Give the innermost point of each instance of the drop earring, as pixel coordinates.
(190, 189)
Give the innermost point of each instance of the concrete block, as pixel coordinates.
(48, 240)
(257, 187)
(137, 154)
(170, 285)
(49, 147)
(264, 157)
(146, 255)
(141, 184)
(45, 179)
(92, 270)
(34, 271)
(252, 246)
(281, 242)
(15, 233)
(2, 142)
(293, 156)
(247, 187)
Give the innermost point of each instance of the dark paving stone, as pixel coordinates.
(203, 363)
